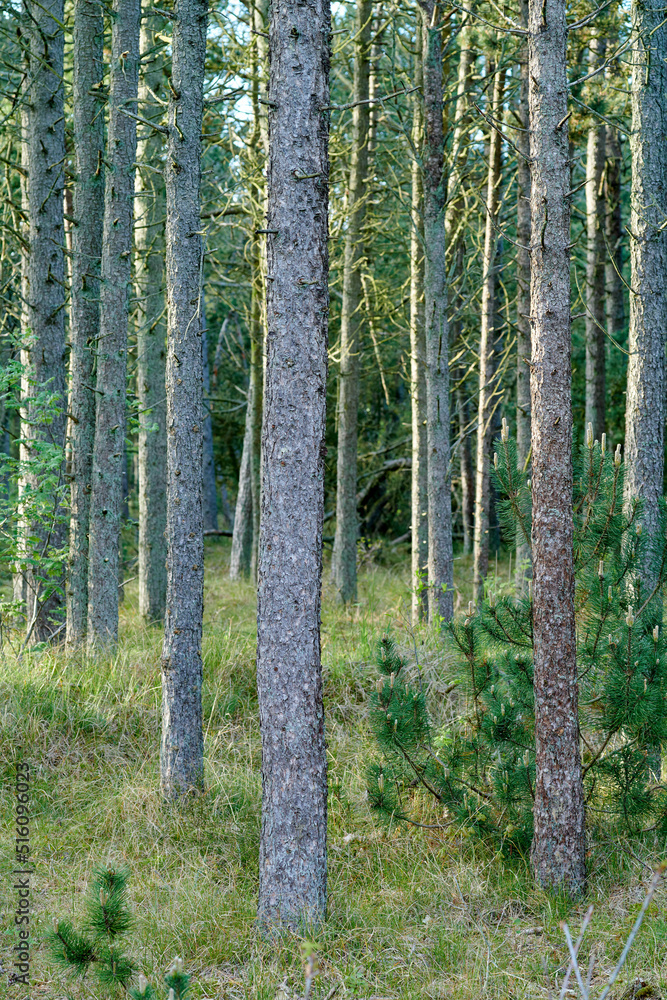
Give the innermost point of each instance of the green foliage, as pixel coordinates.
(481, 769)
(100, 947)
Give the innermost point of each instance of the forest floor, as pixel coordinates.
(412, 913)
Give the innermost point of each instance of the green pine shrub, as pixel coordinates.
(481, 769)
(100, 947)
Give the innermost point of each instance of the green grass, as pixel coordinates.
(412, 913)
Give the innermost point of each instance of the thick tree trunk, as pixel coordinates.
(88, 120)
(523, 571)
(151, 333)
(558, 849)
(645, 401)
(242, 535)
(43, 314)
(345, 544)
(488, 365)
(615, 307)
(209, 489)
(107, 493)
(419, 472)
(595, 268)
(440, 554)
(292, 862)
(182, 748)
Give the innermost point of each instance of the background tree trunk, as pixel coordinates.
(615, 306)
(645, 401)
(88, 121)
(182, 749)
(440, 554)
(241, 553)
(209, 489)
(345, 544)
(107, 491)
(151, 333)
(292, 862)
(558, 849)
(43, 313)
(488, 363)
(595, 267)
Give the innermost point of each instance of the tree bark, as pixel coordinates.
(488, 382)
(645, 401)
(292, 865)
(523, 570)
(242, 534)
(151, 348)
(209, 489)
(107, 494)
(558, 849)
(182, 749)
(595, 267)
(43, 313)
(419, 474)
(88, 121)
(615, 306)
(440, 554)
(347, 530)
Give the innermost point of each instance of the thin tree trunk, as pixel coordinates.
(88, 120)
(419, 472)
(345, 544)
(488, 383)
(615, 307)
(107, 494)
(595, 267)
(558, 849)
(182, 748)
(241, 553)
(465, 462)
(209, 489)
(43, 313)
(151, 350)
(523, 570)
(645, 401)
(292, 863)
(440, 554)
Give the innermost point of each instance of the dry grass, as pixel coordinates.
(412, 913)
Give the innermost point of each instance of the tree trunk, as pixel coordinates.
(440, 554)
(558, 849)
(615, 307)
(107, 493)
(345, 544)
(645, 403)
(523, 570)
(149, 278)
(241, 554)
(88, 121)
(43, 315)
(292, 865)
(419, 473)
(182, 749)
(488, 382)
(465, 462)
(209, 489)
(595, 267)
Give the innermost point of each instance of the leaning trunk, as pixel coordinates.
(558, 849)
(242, 534)
(88, 121)
(106, 500)
(182, 748)
(595, 267)
(292, 854)
(345, 543)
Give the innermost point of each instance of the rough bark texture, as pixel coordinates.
(107, 493)
(558, 848)
(645, 401)
(615, 306)
(440, 555)
(292, 860)
(488, 382)
(43, 314)
(595, 267)
(345, 543)
(182, 748)
(419, 471)
(151, 333)
(210, 492)
(523, 348)
(88, 121)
